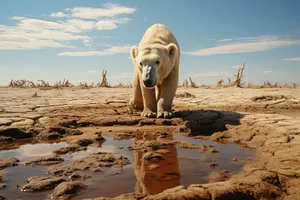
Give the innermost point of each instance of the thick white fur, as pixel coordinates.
(157, 44)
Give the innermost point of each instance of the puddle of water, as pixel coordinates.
(27, 152)
(179, 167)
(196, 164)
(16, 176)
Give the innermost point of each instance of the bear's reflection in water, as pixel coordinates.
(155, 177)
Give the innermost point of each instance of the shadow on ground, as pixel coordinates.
(207, 122)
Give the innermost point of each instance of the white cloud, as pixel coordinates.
(225, 40)
(210, 74)
(92, 72)
(29, 33)
(244, 45)
(268, 72)
(236, 67)
(110, 24)
(105, 25)
(109, 51)
(122, 76)
(17, 18)
(292, 59)
(109, 10)
(59, 15)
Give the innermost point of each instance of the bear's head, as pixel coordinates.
(155, 62)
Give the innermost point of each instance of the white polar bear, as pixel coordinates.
(156, 72)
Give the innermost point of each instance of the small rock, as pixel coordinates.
(69, 149)
(74, 132)
(41, 184)
(235, 159)
(150, 156)
(219, 176)
(60, 170)
(100, 138)
(46, 135)
(83, 142)
(66, 189)
(203, 147)
(8, 162)
(26, 122)
(213, 165)
(75, 175)
(5, 122)
(4, 139)
(161, 134)
(153, 166)
(213, 150)
(17, 133)
(45, 160)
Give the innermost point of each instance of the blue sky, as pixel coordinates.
(52, 40)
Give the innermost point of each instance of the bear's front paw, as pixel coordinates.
(148, 113)
(164, 114)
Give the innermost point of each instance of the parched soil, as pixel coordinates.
(266, 120)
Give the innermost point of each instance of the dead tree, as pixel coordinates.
(104, 82)
(220, 83)
(239, 77)
(193, 84)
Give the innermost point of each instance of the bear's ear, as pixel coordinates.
(134, 51)
(172, 51)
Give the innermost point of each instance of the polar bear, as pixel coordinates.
(156, 72)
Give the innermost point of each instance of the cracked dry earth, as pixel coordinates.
(71, 125)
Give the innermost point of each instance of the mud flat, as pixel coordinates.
(228, 143)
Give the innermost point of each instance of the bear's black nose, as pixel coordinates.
(148, 83)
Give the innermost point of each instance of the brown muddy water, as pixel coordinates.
(180, 166)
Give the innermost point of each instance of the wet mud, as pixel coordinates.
(209, 152)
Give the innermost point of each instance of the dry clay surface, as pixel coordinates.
(265, 119)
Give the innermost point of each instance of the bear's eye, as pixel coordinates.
(141, 64)
(157, 62)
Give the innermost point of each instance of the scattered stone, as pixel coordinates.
(185, 95)
(95, 161)
(8, 162)
(45, 160)
(46, 135)
(5, 122)
(187, 145)
(161, 134)
(153, 166)
(213, 150)
(213, 165)
(75, 175)
(2, 185)
(218, 176)
(17, 133)
(235, 159)
(36, 184)
(268, 98)
(60, 170)
(26, 122)
(100, 139)
(203, 147)
(74, 132)
(5, 139)
(66, 189)
(83, 142)
(151, 156)
(123, 135)
(69, 149)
